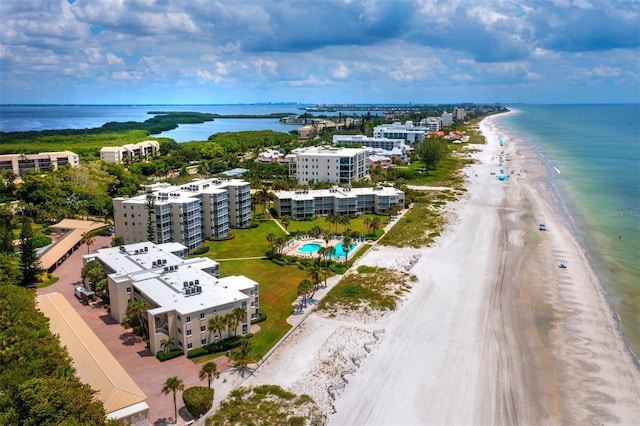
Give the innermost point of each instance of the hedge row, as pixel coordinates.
(261, 317)
(201, 250)
(219, 346)
(164, 356)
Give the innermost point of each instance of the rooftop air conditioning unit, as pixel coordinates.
(190, 283)
(197, 282)
(198, 289)
(153, 264)
(166, 269)
(146, 248)
(185, 284)
(164, 261)
(175, 267)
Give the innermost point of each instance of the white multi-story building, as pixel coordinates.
(130, 152)
(43, 162)
(203, 208)
(406, 132)
(330, 164)
(458, 114)
(338, 201)
(447, 119)
(182, 294)
(375, 143)
(433, 124)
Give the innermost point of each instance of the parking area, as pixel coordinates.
(145, 369)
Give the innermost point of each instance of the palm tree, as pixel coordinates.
(279, 244)
(209, 371)
(173, 385)
(242, 356)
(166, 343)
(375, 224)
(344, 220)
(326, 235)
(228, 322)
(367, 223)
(88, 238)
(136, 315)
(236, 317)
(216, 324)
(271, 238)
(316, 273)
(346, 245)
(332, 219)
(316, 231)
(286, 221)
(304, 288)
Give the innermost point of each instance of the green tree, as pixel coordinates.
(316, 273)
(88, 238)
(286, 221)
(242, 356)
(150, 205)
(10, 272)
(136, 316)
(346, 245)
(237, 315)
(332, 219)
(209, 371)
(29, 261)
(92, 273)
(216, 324)
(6, 231)
(173, 385)
(165, 344)
(304, 288)
(345, 220)
(117, 241)
(430, 151)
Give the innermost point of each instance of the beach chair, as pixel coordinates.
(563, 264)
(542, 227)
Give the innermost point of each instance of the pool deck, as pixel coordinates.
(293, 248)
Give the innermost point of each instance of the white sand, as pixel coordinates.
(493, 333)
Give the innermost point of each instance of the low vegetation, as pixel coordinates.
(369, 288)
(267, 405)
(198, 400)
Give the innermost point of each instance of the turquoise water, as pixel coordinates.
(340, 250)
(596, 150)
(309, 248)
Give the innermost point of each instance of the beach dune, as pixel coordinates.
(494, 332)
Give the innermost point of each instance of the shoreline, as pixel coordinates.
(594, 260)
(493, 332)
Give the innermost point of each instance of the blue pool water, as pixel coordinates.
(340, 250)
(309, 248)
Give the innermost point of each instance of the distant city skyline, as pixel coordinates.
(151, 52)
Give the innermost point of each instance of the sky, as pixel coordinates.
(322, 51)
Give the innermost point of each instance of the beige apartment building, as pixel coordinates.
(43, 162)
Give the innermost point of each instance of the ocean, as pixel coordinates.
(594, 154)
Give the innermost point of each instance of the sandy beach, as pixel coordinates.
(494, 332)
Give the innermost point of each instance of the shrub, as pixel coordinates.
(41, 241)
(198, 400)
(201, 250)
(278, 261)
(219, 346)
(164, 356)
(338, 268)
(260, 318)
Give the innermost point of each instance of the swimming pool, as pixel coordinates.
(309, 248)
(340, 250)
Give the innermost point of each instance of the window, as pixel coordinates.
(179, 319)
(188, 318)
(201, 315)
(189, 345)
(179, 330)
(203, 328)
(128, 289)
(188, 332)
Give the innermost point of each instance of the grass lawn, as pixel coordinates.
(278, 290)
(251, 242)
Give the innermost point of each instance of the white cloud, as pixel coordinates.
(341, 72)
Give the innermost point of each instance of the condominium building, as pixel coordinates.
(330, 164)
(433, 124)
(338, 201)
(447, 119)
(376, 143)
(406, 132)
(202, 208)
(459, 114)
(130, 153)
(43, 162)
(182, 294)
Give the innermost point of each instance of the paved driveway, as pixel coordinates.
(145, 369)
